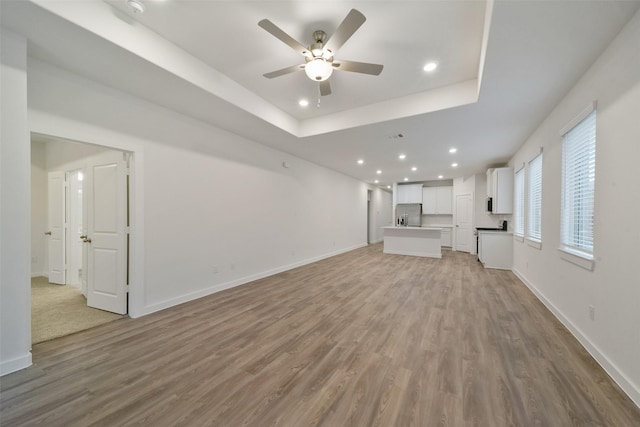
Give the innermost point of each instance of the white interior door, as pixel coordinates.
(464, 219)
(56, 227)
(105, 193)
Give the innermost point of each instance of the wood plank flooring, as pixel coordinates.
(360, 339)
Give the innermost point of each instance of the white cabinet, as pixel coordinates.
(437, 201)
(495, 249)
(500, 189)
(445, 237)
(429, 201)
(445, 200)
(490, 182)
(409, 193)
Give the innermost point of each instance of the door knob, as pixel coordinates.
(47, 233)
(87, 240)
(84, 236)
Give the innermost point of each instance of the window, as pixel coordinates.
(534, 219)
(578, 185)
(518, 217)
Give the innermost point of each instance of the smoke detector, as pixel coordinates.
(135, 6)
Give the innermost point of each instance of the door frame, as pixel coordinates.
(71, 218)
(49, 128)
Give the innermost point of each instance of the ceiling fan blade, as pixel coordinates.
(275, 31)
(325, 88)
(358, 67)
(350, 25)
(284, 71)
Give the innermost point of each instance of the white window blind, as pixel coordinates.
(518, 214)
(578, 185)
(534, 219)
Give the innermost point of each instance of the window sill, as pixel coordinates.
(518, 238)
(534, 243)
(578, 258)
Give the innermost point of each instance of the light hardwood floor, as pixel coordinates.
(360, 339)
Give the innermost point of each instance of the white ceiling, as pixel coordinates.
(206, 59)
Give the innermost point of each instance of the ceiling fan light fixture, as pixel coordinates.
(135, 6)
(318, 69)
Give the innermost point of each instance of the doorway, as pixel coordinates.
(464, 223)
(80, 265)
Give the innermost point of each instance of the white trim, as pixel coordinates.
(534, 243)
(518, 237)
(15, 364)
(148, 309)
(578, 258)
(580, 117)
(627, 386)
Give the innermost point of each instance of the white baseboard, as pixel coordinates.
(41, 274)
(237, 282)
(16, 364)
(610, 368)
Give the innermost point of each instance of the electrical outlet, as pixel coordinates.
(592, 313)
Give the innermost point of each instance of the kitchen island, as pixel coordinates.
(414, 241)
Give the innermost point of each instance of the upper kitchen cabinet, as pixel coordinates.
(437, 201)
(500, 189)
(409, 193)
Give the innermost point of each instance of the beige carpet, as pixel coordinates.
(58, 310)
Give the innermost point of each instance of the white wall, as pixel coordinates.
(15, 175)
(38, 209)
(219, 210)
(613, 287)
(66, 156)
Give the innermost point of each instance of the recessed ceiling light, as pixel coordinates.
(440, 176)
(376, 181)
(378, 171)
(453, 150)
(414, 168)
(406, 179)
(135, 6)
(360, 161)
(303, 103)
(430, 66)
(388, 186)
(454, 165)
(402, 156)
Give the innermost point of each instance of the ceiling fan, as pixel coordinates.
(319, 60)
